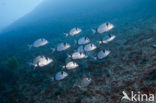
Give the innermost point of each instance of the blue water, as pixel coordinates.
(51, 20)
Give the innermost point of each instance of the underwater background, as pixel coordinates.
(131, 66)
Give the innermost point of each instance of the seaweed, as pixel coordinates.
(12, 63)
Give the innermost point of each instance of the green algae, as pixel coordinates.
(12, 63)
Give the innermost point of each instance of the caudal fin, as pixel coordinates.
(93, 30)
(75, 42)
(53, 50)
(95, 58)
(69, 56)
(63, 67)
(100, 42)
(66, 34)
(29, 46)
(31, 64)
(34, 67)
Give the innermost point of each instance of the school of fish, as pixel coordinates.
(84, 44)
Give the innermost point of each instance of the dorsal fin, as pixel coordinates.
(107, 24)
(61, 72)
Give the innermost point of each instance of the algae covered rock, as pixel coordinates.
(12, 63)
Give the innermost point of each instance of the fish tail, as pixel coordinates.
(69, 55)
(31, 64)
(75, 42)
(52, 78)
(30, 46)
(53, 50)
(94, 31)
(100, 42)
(95, 58)
(66, 34)
(34, 67)
(63, 67)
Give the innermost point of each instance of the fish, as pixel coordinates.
(38, 43)
(41, 61)
(107, 39)
(73, 32)
(61, 47)
(78, 55)
(85, 82)
(102, 54)
(105, 27)
(71, 65)
(61, 75)
(83, 40)
(89, 47)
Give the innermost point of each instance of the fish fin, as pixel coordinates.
(30, 46)
(95, 58)
(100, 42)
(93, 30)
(31, 64)
(66, 34)
(75, 42)
(63, 67)
(34, 67)
(53, 50)
(52, 78)
(69, 56)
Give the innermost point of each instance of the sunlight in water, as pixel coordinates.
(12, 10)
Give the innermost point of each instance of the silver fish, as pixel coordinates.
(61, 75)
(71, 65)
(85, 82)
(103, 28)
(107, 39)
(38, 43)
(41, 61)
(89, 47)
(73, 32)
(83, 40)
(78, 55)
(102, 54)
(61, 47)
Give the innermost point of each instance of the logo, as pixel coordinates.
(137, 97)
